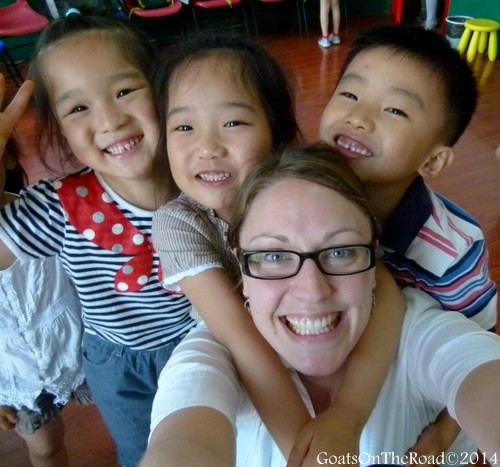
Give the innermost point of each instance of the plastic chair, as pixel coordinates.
(149, 19)
(18, 19)
(133, 8)
(216, 4)
(483, 32)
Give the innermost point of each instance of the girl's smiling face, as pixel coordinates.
(104, 107)
(298, 215)
(216, 131)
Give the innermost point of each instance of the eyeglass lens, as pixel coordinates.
(335, 261)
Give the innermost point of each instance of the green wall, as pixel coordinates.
(489, 9)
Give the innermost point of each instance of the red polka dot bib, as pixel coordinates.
(93, 213)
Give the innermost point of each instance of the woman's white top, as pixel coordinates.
(40, 333)
(437, 351)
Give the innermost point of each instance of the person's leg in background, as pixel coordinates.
(328, 39)
(334, 38)
(46, 446)
(431, 14)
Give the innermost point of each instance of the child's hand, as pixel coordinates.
(435, 439)
(8, 417)
(12, 113)
(329, 434)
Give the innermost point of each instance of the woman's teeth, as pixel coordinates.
(313, 327)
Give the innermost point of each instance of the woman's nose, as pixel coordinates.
(311, 283)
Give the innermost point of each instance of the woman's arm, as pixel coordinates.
(267, 381)
(477, 408)
(195, 406)
(192, 436)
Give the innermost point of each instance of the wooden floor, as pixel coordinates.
(473, 182)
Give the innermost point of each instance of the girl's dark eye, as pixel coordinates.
(124, 92)
(395, 111)
(77, 109)
(348, 95)
(183, 128)
(233, 124)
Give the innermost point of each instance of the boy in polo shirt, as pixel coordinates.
(403, 99)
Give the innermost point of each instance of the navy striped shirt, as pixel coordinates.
(433, 245)
(36, 226)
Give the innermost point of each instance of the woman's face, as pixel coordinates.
(302, 216)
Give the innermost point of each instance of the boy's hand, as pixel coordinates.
(8, 417)
(329, 435)
(12, 113)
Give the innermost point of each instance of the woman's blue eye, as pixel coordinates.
(341, 253)
(274, 257)
(269, 257)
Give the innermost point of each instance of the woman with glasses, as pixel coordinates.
(306, 241)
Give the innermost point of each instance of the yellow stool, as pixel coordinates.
(480, 29)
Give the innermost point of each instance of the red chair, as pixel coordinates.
(212, 4)
(134, 9)
(18, 19)
(150, 17)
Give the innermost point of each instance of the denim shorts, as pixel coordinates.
(123, 384)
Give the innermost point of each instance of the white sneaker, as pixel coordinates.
(334, 39)
(324, 42)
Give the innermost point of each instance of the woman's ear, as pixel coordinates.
(439, 160)
(242, 280)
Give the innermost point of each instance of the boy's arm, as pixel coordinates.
(267, 381)
(338, 430)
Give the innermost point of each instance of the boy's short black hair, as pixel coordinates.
(435, 52)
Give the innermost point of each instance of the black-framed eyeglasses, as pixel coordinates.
(341, 260)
